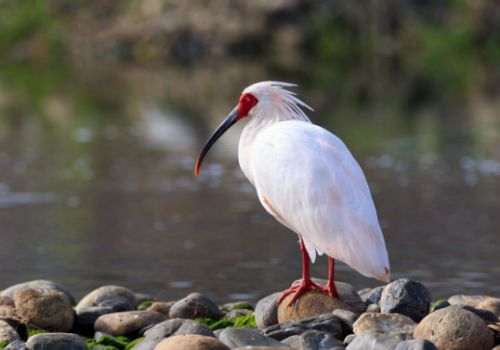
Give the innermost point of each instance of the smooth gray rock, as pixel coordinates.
(371, 296)
(406, 297)
(313, 340)
(348, 339)
(117, 305)
(37, 284)
(347, 318)
(56, 341)
(86, 317)
(112, 294)
(416, 344)
(7, 333)
(383, 323)
(326, 323)
(266, 311)
(374, 341)
(176, 326)
(195, 305)
(16, 345)
(237, 313)
(236, 337)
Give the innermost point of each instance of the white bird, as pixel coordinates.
(308, 180)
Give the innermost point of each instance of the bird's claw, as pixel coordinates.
(303, 286)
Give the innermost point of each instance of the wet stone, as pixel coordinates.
(376, 341)
(347, 318)
(165, 329)
(86, 317)
(383, 323)
(313, 340)
(195, 305)
(37, 284)
(348, 339)
(111, 294)
(416, 344)
(373, 308)
(16, 345)
(47, 309)
(266, 311)
(56, 341)
(406, 297)
(371, 295)
(327, 323)
(236, 337)
(7, 333)
(455, 328)
(127, 322)
(116, 305)
(190, 342)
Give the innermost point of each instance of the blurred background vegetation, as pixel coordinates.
(104, 104)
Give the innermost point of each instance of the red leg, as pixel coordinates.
(330, 285)
(305, 283)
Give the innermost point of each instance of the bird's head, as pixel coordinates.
(264, 99)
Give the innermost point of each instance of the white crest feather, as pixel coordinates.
(284, 100)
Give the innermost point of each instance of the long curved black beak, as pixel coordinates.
(221, 129)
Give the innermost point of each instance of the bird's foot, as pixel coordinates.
(299, 288)
(331, 290)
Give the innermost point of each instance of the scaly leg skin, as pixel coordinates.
(306, 283)
(330, 288)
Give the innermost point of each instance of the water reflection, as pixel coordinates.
(96, 185)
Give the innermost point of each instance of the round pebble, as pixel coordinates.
(455, 328)
(190, 342)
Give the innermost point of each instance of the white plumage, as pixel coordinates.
(307, 179)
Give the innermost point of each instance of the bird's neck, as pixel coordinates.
(255, 125)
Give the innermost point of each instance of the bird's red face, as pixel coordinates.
(246, 103)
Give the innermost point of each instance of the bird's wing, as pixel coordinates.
(308, 180)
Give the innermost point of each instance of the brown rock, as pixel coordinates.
(490, 304)
(454, 328)
(190, 342)
(8, 314)
(471, 300)
(383, 323)
(47, 309)
(163, 307)
(127, 322)
(311, 303)
(6, 301)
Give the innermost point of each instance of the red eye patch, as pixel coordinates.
(247, 101)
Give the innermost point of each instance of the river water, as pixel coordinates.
(97, 184)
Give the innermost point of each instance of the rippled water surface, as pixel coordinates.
(96, 185)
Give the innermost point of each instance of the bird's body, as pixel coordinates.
(308, 180)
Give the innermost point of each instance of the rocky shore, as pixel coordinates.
(42, 315)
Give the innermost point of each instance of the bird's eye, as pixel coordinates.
(247, 99)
